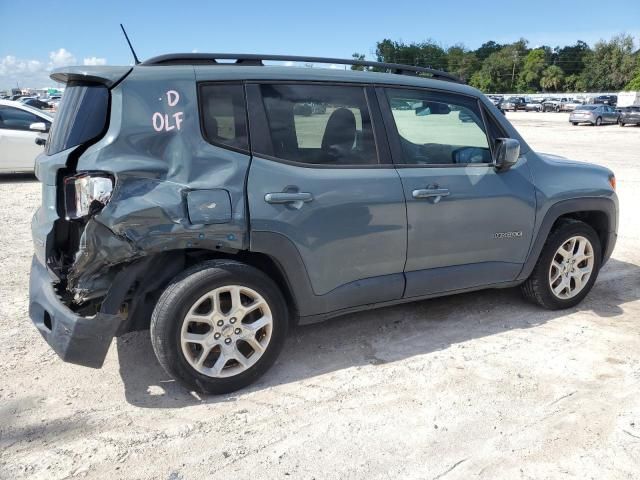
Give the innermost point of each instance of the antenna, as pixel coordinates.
(133, 52)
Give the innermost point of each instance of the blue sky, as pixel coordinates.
(53, 33)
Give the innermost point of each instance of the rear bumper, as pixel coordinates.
(76, 339)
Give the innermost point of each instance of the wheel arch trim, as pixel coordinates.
(604, 205)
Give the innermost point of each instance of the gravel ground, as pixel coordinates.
(481, 385)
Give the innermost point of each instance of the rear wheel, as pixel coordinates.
(219, 326)
(622, 124)
(574, 123)
(567, 268)
(598, 121)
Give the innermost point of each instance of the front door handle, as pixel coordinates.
(435, 193)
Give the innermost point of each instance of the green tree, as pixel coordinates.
(357, 56)
(424, 54)
(552, 78)
(534, 65)
(634, 84)
(574, 83)
(611, 64)
(461, 62)
(500, 69)
(486, 49)
(571, 58)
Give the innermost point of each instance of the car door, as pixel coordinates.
(468, 224)
(18, 148)
(322, 189)
(612, 115)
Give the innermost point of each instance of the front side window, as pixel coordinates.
(439, 128)
(224, 115)
(319, 124)
(16, 119)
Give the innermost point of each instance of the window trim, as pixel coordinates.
(203, 134)
(258, 124)
(392, 129)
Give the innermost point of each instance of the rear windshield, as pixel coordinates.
(82, 116)
(586, 107)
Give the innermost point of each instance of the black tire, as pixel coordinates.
(537, 288)
(598, 121)
(574, 123)
(622, 124)
(183, 292)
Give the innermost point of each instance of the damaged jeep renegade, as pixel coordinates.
(217, 202)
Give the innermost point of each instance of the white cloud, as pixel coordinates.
(32, 73)
(94, 61)
(61, 58)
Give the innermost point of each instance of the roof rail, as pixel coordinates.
(256, 59)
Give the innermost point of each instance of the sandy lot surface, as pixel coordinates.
(479, 385)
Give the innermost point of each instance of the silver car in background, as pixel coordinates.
(594, 115)
(20, 127)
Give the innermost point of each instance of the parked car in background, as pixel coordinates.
(594, 115)
(36, 103)
(20, 127)
(611, 100)
(534, 106)
(571, 105)
(554, 104)
(629, 116)
(514, 103)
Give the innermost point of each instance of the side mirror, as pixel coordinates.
(39, 127)
(507, 153)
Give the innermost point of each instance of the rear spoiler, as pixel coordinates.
(106, 75)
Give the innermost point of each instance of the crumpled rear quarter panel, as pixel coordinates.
(154, 169)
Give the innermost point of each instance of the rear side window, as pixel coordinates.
(438, 128)
(224, 115)
(82, 117)
(319, 124)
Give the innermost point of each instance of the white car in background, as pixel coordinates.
(571, 105)
(20, 127)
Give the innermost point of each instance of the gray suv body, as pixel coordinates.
(199, 200)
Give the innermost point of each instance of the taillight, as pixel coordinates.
(86, 194)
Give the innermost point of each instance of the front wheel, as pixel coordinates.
(598, 121)
(219, 326)
(567, 268)
(574, 123)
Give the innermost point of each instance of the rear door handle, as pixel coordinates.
(288, 197)
(435, 193)
(292, 199)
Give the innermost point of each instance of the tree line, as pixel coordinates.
(610, 65)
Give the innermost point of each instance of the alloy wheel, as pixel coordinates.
(571, 267)
(226, 331)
